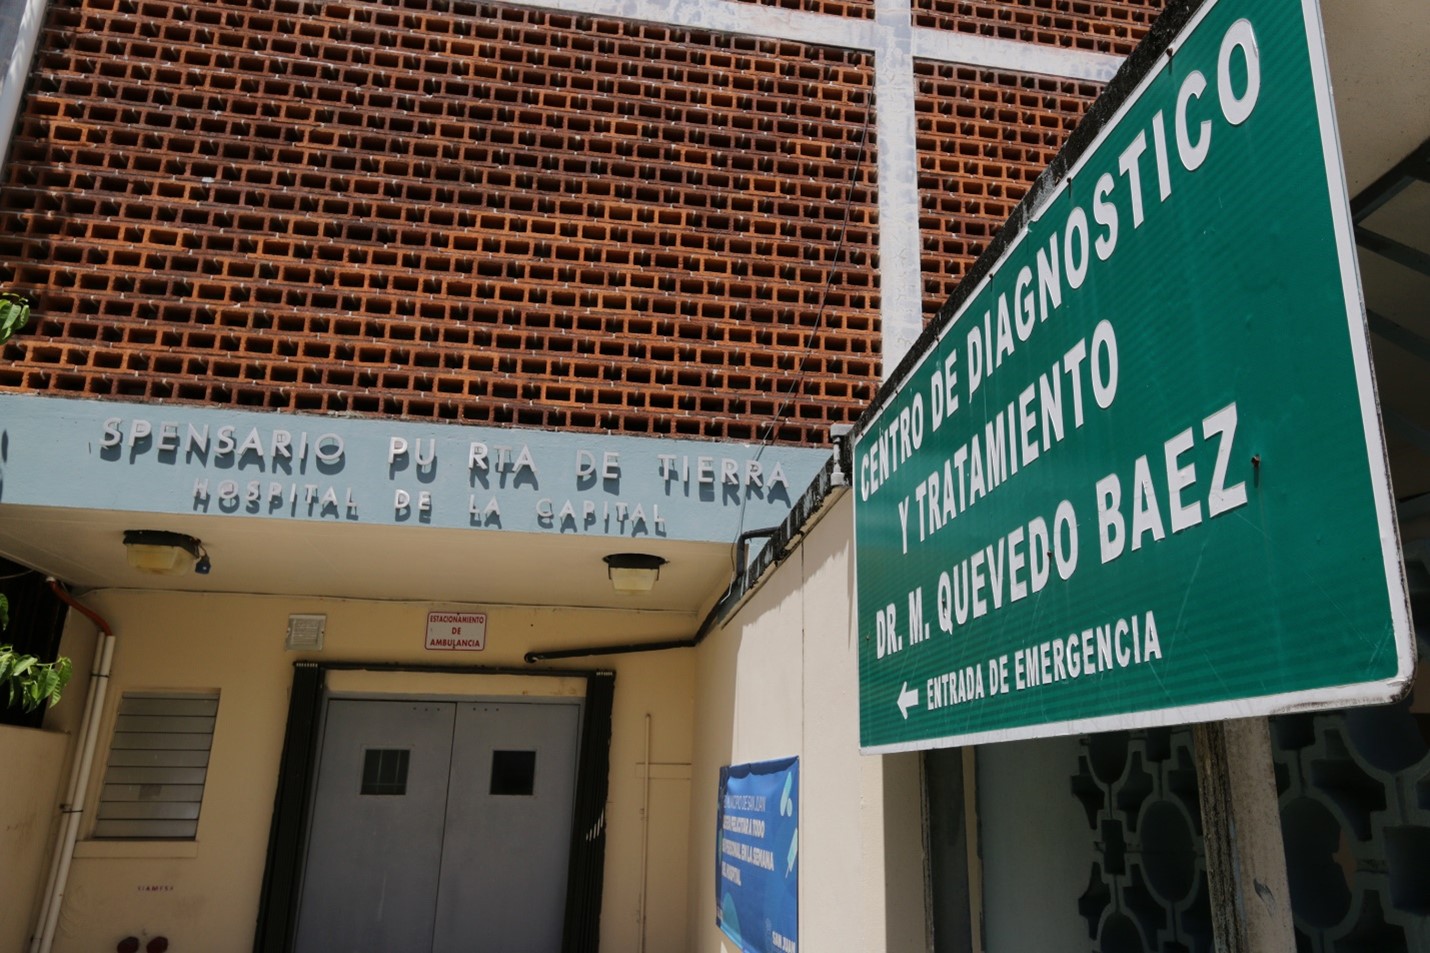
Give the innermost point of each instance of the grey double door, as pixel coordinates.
(440, 826)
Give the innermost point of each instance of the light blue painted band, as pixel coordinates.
(159, 458)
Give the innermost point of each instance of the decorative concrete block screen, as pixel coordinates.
(485, 214)
(1104, 27)
(1355, 815)
(859, 9)
(1355, 812)
(1147, 887)
(983, 138)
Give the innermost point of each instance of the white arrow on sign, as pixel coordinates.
(908, 698)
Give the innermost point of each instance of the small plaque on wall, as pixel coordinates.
(456, 631)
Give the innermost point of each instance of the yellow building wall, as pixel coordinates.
(781, 679)
(30, 765)
(204, 894)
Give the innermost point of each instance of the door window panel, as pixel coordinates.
(384, 771)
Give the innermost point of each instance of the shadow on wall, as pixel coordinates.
(904, 917)
(714, 727)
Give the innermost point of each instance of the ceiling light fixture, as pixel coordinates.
(164, 553)
(631, 573)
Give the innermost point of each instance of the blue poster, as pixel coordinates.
(757, 868)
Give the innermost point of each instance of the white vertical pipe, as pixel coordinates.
(69, 797)
(74, 804)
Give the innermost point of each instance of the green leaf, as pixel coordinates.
(14, 314)
(4, 613)
(64, 668)
(31, 683)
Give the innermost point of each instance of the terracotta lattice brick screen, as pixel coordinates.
(983, 139)
(501, 216)
(858, 9)
(1103, 26)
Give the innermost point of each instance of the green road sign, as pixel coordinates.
(1137, 475)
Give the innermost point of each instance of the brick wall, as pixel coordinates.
(858, 9)
(1103, 26)
(502, 216)
(983, 139)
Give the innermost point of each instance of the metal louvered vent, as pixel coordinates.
(305, 632)
(158, 760)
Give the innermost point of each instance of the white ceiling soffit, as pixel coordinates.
(1379, 52)
(85, 549)
(1380, 71)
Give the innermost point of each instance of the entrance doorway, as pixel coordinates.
(440, 826)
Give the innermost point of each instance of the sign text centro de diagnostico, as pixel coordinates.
(1139, 477)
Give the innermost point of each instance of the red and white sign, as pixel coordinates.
(456, 631)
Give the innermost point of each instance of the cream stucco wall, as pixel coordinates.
(781, 679)
(28, 798)
(36, 770)
(204, 894)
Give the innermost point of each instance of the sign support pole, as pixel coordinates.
(1241, 824)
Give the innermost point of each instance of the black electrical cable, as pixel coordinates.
(782, 412)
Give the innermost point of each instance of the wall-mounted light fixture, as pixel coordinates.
(164, 553)
(633, 572)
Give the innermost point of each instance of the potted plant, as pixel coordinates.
(24, 679)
